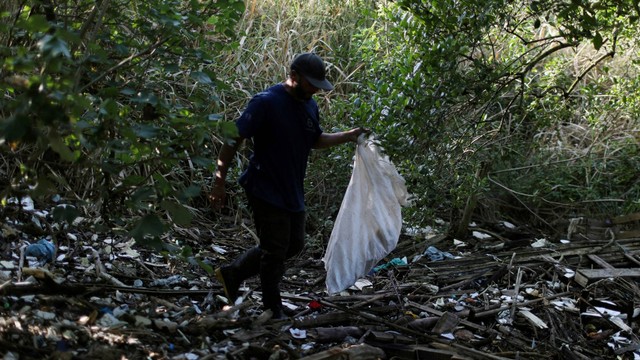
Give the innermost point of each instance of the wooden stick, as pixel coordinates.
(514, 305)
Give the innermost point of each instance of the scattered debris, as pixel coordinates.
(501, 296)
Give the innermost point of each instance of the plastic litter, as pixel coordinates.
(43, 250)
(315, 305)
(298, 333)
(368, 224)
(393, 262)
(170, 281)
(362, 284)
(436, 255)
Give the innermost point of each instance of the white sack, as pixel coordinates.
(369, 221)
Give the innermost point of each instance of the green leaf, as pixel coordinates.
(133, 180)
(148, 227)
(190, 192)
(229, 130)
(142, 194)
(162, 185)
(208, 268)
(58, 145)
(145, 131)
(212, 20)
(70, 37)
(15, 128)
(179, 214)
(44, 187)
(109, 108)
(239, 6)
(201, 161)
(172, 68)
(52, 46)
(202, 77)
(597, 41)
(35, 23)
(67, 213)
(186, 251)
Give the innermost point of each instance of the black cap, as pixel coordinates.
(311, 67)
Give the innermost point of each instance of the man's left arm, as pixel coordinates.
(327, 140)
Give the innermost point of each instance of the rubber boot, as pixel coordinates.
(271, 272)
(247, 264)
(244, 267)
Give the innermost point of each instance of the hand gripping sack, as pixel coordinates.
(368, 224)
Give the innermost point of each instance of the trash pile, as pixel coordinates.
(502, 293)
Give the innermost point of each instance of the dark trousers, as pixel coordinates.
(281, 235)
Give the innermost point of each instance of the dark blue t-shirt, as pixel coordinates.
(283, 130)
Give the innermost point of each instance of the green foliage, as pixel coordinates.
(462, 92)
(186, 254)
(510, 105)
(68, 214)
(115, 98)
(459, 93)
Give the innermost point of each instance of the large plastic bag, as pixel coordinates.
(368, 224)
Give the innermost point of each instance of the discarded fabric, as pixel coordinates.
(43, 250)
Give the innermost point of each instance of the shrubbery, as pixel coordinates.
(489, 109)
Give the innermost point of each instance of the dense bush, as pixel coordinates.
(111, 105)
(474, 99)
(525, 111)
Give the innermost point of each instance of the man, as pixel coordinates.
(283, 123)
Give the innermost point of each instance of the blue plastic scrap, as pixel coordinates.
(436, 255)
(43, 250)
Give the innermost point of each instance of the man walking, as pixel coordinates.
(283, 122)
